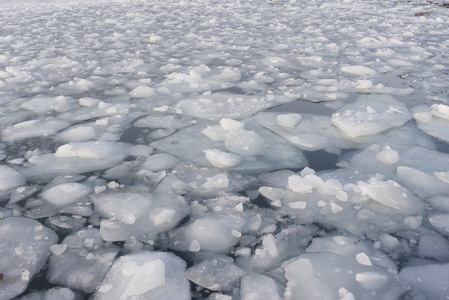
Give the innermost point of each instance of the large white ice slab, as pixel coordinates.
(145, 275)
(137, 213)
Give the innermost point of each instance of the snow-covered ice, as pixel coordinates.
(227, 150)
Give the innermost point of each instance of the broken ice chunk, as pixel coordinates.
(10, 178)
(440, 110)
(298, 184)
(302, 280)
(142, 92)
(222, 160)
(87, 257)
(93, 150)
(216, 233)
(145, 275)
(392, 195)
(149, 276)
(388, 156)
(273, 194)
(245, 143)
(24, 249)
(363, 259)
(33, 128)
(256, 286)
(372, 280)
(434, 121)
(288, 120)
(373, 115)
(218, 181)
(358, 70)
(230, 124)
(66, 193)
(217, 274)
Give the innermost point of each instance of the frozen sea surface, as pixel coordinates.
(224, 150)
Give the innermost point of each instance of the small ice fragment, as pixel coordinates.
(99, 189)
(58, 249)
(273, 194)
(339, 240)
(102, 122)
(269, 243)
(365, 84)
(298, 184)
(307, 171)
(363, 259)
(25, 275)
(217, 182)
(230, 124)
(105, 288)
(162, 108)
(194, 246)
(372, 280)
(370, 110)
(440, 111)
(344, 294)
(342, 196)
(141, 92)
(288, 120)
(113, 185)
(245, 252)
(358, 70)
(220, 159)
(236, 233)
(298, 205)
(321, 203)
(336, 208)
(314, 180)
(239, 207)
(388, 156)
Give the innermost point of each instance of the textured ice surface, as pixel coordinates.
(9, 178)
(282, 149)
(145, 275)
(87, 257)
(217, 274)
(433, 120)
(137, 214)
(369, 116)
(24, 248)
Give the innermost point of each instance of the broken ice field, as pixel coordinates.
(224, 150)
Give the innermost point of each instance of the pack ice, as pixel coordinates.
(224, 150)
